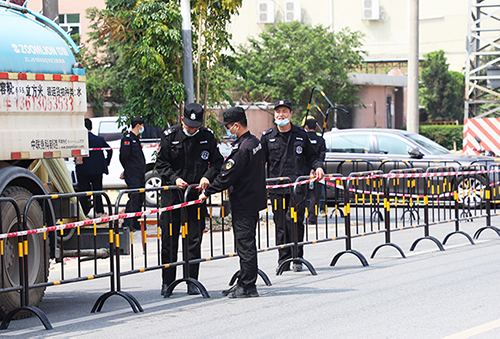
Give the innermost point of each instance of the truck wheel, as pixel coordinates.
(152, 180)
(37, 266)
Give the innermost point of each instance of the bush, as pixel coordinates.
(444, 135)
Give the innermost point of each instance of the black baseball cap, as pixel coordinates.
(311, 123)
(137, 121)
(234, 114)
(193, 115)
(285, 103)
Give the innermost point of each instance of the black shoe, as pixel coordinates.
(232, 289)
(297, 267)
(163, 292)
(242, 292)
(193, 289)
(286, 268)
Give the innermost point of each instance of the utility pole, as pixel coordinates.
(50, 9)
(412, 115)
(187, 51)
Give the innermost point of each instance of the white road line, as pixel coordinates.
(475, 330)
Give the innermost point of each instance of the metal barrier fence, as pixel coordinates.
(363, 203)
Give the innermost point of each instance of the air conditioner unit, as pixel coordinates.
(292, 11)
(370, 10)
(265, 13)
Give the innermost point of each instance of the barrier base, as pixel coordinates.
(188, 281)
(287, 262)
(458, 232)
(35, 310)
(437, 242)
(388, 244)
(136, 307)
(479, 231)
(360, 256)
(261, 273)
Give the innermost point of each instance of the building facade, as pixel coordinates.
(384, 23)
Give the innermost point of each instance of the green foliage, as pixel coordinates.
(135, 58)
(211, 64)
(443, 91)
(445, 135)
(102, 60)
(148, 35)
(288, 59)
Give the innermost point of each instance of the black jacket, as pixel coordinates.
(244, 171)
(131, 156)
(95, 163)
(289, 157)
(318, 144)
(189, 158)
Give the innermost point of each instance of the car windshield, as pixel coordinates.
(429, 145)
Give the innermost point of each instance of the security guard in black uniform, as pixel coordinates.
(134, 165)
(188, 155)
(288, 153)
(244, 173)
(318, 189)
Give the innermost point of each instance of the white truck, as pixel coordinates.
(42, 107)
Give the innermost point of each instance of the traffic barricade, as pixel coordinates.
(357, 186)
(490, 182)
(401, 196)
(297, 214)
(37, 246)
(185, 247)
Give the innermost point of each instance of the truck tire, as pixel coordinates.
(152, 180)
(38, 269)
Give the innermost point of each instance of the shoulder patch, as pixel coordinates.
(229, 164)
(267, 131)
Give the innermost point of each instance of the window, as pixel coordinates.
(348, 143)
(70, 22)
(388, 144)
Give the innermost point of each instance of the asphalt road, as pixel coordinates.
(430, 294)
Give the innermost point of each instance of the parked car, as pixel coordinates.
(108, 128)
(359, 150)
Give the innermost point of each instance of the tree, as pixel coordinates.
(106, 74)
(148, 33)
(288, 59)
(146, 36)
(443, 91)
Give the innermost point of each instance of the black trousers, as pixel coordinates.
(281, 205)
(170, 223)
(90, 183)
(316, 198)
(135, 201)
(244, 227)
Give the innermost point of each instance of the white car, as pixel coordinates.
(107, 127)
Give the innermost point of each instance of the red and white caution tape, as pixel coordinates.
(98, 220)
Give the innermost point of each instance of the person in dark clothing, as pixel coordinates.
(288, 153)
(318, 189)
(134, 166)
(90, 172)
(188, 155)
(243, 172)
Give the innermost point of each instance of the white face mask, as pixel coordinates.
(229, 134)
(282, 122)
(189, 134)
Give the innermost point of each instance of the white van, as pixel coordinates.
(107, 127)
